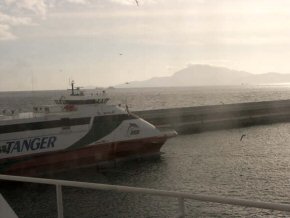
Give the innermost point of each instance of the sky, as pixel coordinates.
(46, 43)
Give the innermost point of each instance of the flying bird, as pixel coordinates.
(242, 137)
(137, 2)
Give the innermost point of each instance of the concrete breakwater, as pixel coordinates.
(214, 117)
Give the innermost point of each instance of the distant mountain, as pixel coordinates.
(206, 75)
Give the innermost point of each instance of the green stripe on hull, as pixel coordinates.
(102, 126)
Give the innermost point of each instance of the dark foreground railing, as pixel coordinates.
(180, 196)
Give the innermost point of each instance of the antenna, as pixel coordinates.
(32, 81)
(72, 87)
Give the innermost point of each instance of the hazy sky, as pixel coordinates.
(43, 43)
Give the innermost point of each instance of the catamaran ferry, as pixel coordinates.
(78, 130)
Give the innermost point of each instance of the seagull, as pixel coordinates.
(137, 2)
(242, 137)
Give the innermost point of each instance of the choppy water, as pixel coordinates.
(215, 163)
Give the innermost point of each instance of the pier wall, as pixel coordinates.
(215, 117)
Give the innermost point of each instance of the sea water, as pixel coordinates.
(213, 163)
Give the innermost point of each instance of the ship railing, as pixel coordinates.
(180, 196)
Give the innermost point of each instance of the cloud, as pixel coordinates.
(133, 2)
(37, 6)
(13, 21)
(124, 2)
(256, 40)
(5, 33)
(78, 1)
(7, 21)
(14, 8)
(13, 15)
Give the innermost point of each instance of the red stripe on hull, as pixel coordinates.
(86, 156)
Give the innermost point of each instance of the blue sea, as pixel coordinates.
(213, 163)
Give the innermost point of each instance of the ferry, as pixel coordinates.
(78, 130)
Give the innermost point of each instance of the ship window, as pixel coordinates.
(47, 110)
